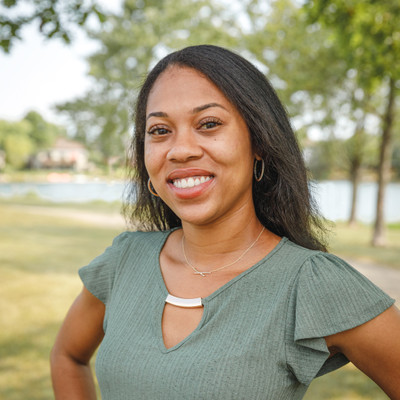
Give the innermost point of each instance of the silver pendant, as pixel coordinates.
(185, 303)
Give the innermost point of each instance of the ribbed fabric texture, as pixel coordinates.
(261, 335)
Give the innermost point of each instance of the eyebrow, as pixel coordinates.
(194, 111)
(205, 106)
(157, 114)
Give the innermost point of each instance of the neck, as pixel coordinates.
(213, 245)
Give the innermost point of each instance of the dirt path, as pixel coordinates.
(386, 278)
(91, 217)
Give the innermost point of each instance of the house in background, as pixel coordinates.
(64, 154)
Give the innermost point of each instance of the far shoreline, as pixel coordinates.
(61, 176)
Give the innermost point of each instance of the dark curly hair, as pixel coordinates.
(282, 199)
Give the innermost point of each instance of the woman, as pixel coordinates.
(230, 293)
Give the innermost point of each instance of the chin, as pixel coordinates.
(196, 218)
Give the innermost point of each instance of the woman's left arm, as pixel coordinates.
(374, 348)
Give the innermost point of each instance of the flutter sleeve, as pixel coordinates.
(99, 275)
(328, 296)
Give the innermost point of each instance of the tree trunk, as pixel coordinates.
(355, 168)
(355, 175)
(379, 238)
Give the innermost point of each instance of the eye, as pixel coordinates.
(209, 123)
(158, 130)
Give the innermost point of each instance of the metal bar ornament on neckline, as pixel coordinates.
(185, 303)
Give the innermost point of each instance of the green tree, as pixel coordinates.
(16, 143)
(396, 149)
(316, 83)
(369, 35)
(41, 132)
(56, 18)
(327, 158)
(20, 140)
(300, 60)
(396, 160)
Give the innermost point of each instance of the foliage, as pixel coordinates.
(396, 160)
(15, 142)
(20, 140)
(368, 38)
(300, 60)
(396, 148)
(41, 132)
(316, 83)
(326, 158)
(368, 33)
(56, 18)
(367, 145)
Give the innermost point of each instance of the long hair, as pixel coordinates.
(282, 199)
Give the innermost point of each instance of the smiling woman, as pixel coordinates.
(228, 292)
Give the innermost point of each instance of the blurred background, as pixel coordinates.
(69, 74)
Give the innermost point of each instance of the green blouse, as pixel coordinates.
(261, 335)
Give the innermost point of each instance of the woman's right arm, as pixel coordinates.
(79, 336)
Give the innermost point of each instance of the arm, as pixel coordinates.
(79, 336)
(374, 348)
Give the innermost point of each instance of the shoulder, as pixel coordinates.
(334, 294)
(127, 249)
(315, 262)
(141, 240)
(294, 251)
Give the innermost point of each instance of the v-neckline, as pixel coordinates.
(204, 300)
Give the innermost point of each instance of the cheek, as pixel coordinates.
(150, 159)
(238, 154)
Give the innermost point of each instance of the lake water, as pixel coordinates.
(333, 197)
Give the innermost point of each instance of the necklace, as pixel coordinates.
(205, 273)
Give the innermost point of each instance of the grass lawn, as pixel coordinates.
(39, 259)
(354, 242)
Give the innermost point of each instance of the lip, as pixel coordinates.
(193, 192)
(187, 173)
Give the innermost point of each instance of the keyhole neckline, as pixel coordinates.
(205, 300)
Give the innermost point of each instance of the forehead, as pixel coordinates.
(180, 86)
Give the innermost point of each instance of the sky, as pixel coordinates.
(39, 73)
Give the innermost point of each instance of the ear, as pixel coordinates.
(258, 158)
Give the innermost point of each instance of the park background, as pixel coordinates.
(69, 71)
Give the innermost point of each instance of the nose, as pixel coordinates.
(184, 147)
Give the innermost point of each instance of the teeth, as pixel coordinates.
(190, 182)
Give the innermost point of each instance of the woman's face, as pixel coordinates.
(197, 148)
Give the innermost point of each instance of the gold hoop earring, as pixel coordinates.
(152, 191)
(260, 176)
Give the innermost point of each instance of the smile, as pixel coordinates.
(190, 182)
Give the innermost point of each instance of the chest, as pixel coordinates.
(234, 342)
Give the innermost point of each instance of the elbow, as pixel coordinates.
(55, 358)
